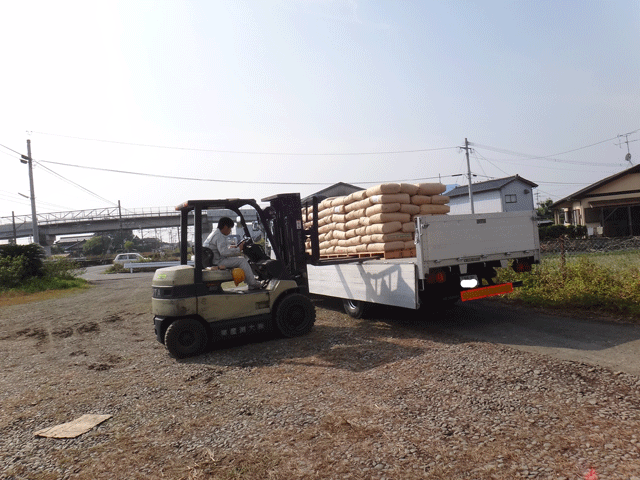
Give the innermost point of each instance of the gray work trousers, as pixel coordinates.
(240, 262)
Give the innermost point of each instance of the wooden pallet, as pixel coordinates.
(353, 255)
(407, 253)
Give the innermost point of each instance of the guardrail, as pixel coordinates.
(139, 265)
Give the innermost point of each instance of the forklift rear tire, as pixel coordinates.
(295, 315)
(355, 308)
(185, 337)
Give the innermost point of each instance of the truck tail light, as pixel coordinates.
(438, 277)
(521, 266)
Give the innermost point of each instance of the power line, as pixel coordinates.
(247, 152)
(157, 175)
(532, 157)
(10, 149)
(75, 184)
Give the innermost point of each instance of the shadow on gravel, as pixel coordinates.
(494, 322)
(339, 342)
(358, 345)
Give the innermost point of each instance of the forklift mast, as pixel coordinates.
(285, 215)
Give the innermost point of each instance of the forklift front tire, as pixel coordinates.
(295, 315)
(185, 337)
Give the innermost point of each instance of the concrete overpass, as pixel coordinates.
(51, 225)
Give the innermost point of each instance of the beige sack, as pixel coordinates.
(409, 188)
(421, 199)
(434, 209)
(408, 227)
(325, 221)
(431, 188)
(326, 228)
(337, 201)
(409, 244)
(382, 208)
(361, 231)
(389, 217)
(339, 210)
(361, 248)
(389, 227)
(359, 195)
(355, 214)
(440, 199)
(326, 203)
(353, 224)
(390, 198)
(409, 208)
(390, 237)
(351, 233)
(385, 247)
(325, 213)
(383, 189)
(354, 240)
(338, 218)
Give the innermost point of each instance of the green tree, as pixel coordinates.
(96, 245)
(544, 209)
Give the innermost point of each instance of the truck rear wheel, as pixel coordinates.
(355, 308)
(185, 337)
(295, 315)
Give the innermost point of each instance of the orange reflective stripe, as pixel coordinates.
(477, 293)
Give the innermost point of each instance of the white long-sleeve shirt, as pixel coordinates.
(219, 244)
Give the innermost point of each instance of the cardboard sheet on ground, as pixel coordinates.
(74, 428)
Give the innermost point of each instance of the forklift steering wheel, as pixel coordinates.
(248, 241)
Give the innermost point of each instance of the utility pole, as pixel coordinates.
(15, 233)
(467, 148)
(34, 219)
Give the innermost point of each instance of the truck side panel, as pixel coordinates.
(387, 283)
(445, 240)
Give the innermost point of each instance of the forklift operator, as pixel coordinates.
(228, 256)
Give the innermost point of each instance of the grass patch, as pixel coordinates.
(19, 297)
(56, 278)
(602, 282)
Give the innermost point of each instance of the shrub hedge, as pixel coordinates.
(556, 231)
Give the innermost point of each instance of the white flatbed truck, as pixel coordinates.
(454, 254)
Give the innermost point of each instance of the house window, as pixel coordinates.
(510, 199)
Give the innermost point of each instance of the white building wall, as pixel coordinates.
(484, 202)
(524, 200)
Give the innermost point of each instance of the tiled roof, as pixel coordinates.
(593, 186)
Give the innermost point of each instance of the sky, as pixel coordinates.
(152, 103)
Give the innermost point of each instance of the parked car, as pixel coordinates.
(128, 258)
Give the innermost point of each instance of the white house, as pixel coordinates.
(507, 194)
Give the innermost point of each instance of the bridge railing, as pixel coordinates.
(91, 214)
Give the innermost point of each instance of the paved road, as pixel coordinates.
(594, 341)
(96, 274)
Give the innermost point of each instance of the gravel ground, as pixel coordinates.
(377, 399)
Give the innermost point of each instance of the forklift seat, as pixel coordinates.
(217, 275)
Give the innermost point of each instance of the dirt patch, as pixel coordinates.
(363, 399)
(88, 328)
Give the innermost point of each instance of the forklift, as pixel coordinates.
(196, 304)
